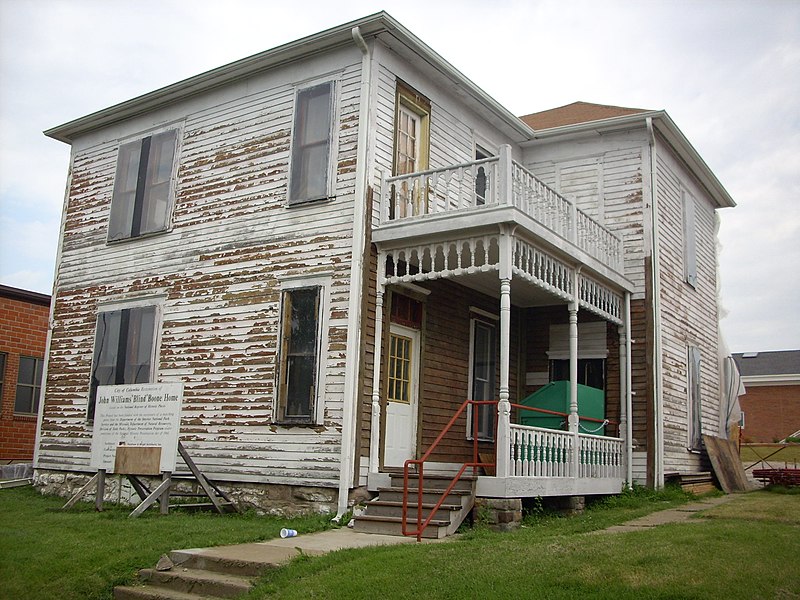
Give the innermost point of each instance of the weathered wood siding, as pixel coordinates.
(689, 316)
(454, 128)
(217, 273)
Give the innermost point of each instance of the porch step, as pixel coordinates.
(387, 508)
(437, 529)
(193, 577)
(384, 514)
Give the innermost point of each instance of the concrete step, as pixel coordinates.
(150, 592)
(193, 560)
(386, 508)
(393, 526)
(200, 582)
(435, 481)
(395, 494)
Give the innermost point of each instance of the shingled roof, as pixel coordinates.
(782, 362)
(577, 112)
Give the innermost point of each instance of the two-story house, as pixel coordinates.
(342, 244)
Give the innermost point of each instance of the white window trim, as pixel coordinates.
(158, 324)
(178, 127)
(491, 321)
(333, 150)
(293, 283)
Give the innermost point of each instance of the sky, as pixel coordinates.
(726, 71)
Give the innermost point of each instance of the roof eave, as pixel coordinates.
(338, 36)
(671, 133)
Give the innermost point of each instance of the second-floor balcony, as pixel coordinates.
(492, 191)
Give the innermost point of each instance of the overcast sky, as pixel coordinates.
(727, 72)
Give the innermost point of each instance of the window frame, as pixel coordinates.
(295, 148)
(407, 98)
(36, 388)
(694, 398)
(133, 219)
(322, 284)
(492, 325)
(157, 305)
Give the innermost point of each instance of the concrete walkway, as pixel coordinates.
(279, 551)
(679, 514)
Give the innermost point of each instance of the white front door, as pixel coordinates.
(402, 396)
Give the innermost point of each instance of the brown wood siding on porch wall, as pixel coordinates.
(445, 366)
(536, 331)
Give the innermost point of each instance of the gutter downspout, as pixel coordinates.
(628, 394)
(351, 387)
(51, 318)
(658, 388)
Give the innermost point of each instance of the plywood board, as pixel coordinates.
(726, 464)
(138, 460)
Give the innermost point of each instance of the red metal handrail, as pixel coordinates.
(419, 462)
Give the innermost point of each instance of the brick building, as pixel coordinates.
(23, 336)
(772, 403)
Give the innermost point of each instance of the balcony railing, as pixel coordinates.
(493, 182)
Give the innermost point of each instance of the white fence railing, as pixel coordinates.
(539, 452)
(496, 181)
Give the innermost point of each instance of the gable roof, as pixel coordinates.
(577, 112)
(755, 364)
(380, 25)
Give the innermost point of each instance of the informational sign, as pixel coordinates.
(142, 415)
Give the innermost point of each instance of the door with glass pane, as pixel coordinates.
(402, 396)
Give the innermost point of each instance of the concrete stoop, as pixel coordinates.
(383, 515)
(200, 575)
(230, 571)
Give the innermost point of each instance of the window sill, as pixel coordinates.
(295, 424)
(301, 203)
(25, 417)
(143, 236)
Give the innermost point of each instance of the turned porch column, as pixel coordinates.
(573, 420)
(375, 422)
(504, 406)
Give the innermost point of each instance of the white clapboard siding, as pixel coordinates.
(689, 315)
(217, 274)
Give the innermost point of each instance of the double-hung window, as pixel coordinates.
(29, 385)
(143, 186)
(123, 349)
(311, 144)
(299, 358)
(483, 378)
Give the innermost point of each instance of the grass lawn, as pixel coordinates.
(47, 553)
(747, 548)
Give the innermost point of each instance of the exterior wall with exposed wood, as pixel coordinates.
(216, 275)
(454, 128)
(609, 177)
(689, 313)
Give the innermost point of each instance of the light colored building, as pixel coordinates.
(269, 231)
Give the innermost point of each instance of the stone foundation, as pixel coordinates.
(271, 499)
(500, 514)
(570, 505)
